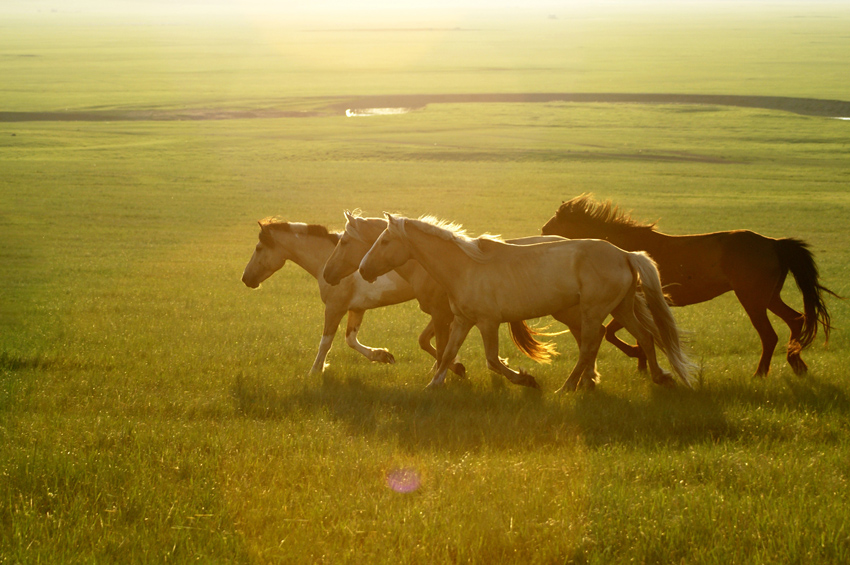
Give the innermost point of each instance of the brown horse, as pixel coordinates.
(696, 268)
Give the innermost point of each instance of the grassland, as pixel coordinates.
(154, 409)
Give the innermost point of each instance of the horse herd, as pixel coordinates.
(592, 261)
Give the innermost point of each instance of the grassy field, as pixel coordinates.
(153, 409)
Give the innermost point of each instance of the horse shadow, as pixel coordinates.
(806, 393)
(465, 416)
(666, 416)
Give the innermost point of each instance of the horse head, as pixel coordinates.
(268, 258)
(349, 250)
(388, 251)
(567, 221)
(583, 217)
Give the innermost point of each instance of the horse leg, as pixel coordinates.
(442, 331)
(425, 344)
(355, 317)
(633, 351)
(592, 334)
(439, 329)
(460, 329)
(794, 320)
(756, 309)
(425, 340)
(572, 319)
(333, 316)
(624, 314)
(490, 336)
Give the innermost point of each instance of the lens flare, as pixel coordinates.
(403, 480)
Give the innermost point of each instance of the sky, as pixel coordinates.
(357, 13)
(343, 6)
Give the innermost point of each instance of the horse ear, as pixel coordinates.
(349, 217)
(262, 227)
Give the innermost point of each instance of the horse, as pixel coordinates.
(309, 246)
(578, 282)
(697, 268)
(357, 238)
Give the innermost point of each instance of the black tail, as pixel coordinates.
(795, 256)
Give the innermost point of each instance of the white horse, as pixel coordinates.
(357, 238)
(309, 246)
(489, 282)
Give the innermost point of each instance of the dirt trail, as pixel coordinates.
(338, 105)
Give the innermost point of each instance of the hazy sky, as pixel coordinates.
(403, 13)
(342, 6)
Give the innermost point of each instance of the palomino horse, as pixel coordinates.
(696, 268)
(490, 282)
(357, 238)
(309, 246)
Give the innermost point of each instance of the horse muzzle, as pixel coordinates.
(367, 276)
(331, 277)
(249, 282)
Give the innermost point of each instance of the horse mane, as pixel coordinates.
(315, 230)
(587, 210)
(449, 231)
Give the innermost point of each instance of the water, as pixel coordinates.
(358, 112)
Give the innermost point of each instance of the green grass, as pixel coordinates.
(154, 409)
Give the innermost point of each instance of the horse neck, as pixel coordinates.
(310, 252)
(442, 259)
(630, 239)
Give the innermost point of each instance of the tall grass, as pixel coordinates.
(153, 409)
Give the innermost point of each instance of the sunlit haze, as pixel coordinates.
(362, 7)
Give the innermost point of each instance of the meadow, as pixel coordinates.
(154, 409)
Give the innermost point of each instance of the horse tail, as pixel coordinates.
(523, 337)
(794, 256)
(653, 312)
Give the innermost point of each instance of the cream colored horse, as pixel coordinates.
(489, 282)
(309, 246)
(357, 238)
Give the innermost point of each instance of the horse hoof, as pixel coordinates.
(798, 366)
(384, 356)
(665, 379)
(525, 379)
(569, 386)
(435, 385)
(459, 370)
